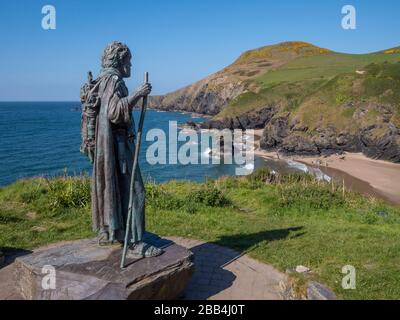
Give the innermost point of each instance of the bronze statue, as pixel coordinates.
(108, 138)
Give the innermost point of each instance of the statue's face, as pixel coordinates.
(126, 66)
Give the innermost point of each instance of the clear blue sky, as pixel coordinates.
(177, 41)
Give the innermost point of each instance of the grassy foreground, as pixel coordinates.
(281, 220)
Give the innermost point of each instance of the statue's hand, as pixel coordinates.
(141, 92)
(144, 90)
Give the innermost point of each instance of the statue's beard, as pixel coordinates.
(126, 73)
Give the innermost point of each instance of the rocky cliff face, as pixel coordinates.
(253, 120)
(207, 96)
(376, 141)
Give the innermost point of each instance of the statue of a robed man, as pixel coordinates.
(108, 135)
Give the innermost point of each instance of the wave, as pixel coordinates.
(314, 171)
(249, 166)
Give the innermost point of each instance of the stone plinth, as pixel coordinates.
(85, 270)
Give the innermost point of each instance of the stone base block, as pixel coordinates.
(81, 270)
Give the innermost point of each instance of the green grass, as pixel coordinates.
(287, 95)
(380, 86)
(324, 66)
(321, 102)
(300, 79)
(281, 220)
(40, 211)
(284, 51)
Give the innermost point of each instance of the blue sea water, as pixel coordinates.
(43, 138)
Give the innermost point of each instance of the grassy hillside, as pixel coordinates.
(211, 94)
(284, 52)
(324, 103)
(309, 100)
(283, 76)
(281, 220)
(342, 98)
(303, 75)
(323, 66)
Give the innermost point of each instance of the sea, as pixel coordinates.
(43, 139)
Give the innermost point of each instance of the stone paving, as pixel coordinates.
(220, 273)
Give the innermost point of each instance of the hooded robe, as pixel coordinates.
(112, 167)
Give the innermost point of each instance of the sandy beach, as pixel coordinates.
(380, 176)
(375, 177)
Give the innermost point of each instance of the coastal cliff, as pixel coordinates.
(308, 100)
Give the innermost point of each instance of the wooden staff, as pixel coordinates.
(135, 164)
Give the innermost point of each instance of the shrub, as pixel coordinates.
(263, 176)
(316, 196)
(259, 176)
(373, 69)
(209, 195)
(159, 198)
(297, 177)
(32, 192)
(68, 192)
